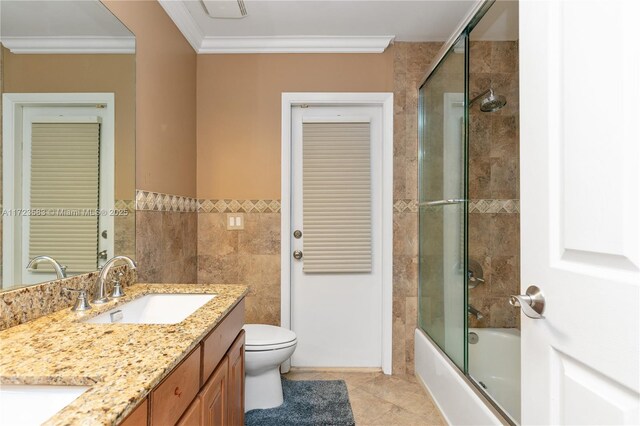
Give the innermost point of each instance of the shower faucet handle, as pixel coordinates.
(531, 303)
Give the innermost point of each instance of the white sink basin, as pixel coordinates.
(154, 309)
(34, 404)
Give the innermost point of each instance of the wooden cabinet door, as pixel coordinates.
(138, 416)
(193, 415)
(235, 398)
(214, 396)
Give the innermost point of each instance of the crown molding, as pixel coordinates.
(180, 15)
(74, 45)
(303, 44)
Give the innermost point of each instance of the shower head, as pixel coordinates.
(491, 102)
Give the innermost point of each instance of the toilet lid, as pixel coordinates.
(267, 335)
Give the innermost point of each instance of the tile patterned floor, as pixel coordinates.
(378, 399)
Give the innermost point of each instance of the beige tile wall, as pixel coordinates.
(494, 238)
(125, 229)
(166, 246)
(410, 64)
(166, 239)
(250, 256)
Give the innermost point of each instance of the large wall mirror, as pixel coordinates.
(67, 78)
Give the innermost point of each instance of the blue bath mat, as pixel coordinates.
(307, 402)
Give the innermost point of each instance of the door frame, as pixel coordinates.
(385, 100)
(12, 104)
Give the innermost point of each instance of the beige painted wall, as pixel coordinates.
(239, 102)
(165, 99)
(85, 73)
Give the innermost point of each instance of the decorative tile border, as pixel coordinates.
(405, 206)
(155, 201)
(129, 205)
(238, 206)
(146, 200)
(494, 206)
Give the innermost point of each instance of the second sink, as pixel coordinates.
(154, 309)
(34, 404)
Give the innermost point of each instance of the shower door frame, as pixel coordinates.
(464, 29)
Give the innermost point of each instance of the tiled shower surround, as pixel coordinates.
(494, 215)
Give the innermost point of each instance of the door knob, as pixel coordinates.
(297, 255)
(531, 303)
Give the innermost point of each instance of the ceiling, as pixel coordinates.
(500, 23)
(318, 26)
(69, 26)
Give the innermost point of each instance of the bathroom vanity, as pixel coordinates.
(207, 388)
(187, 373)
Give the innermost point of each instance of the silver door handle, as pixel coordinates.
(531, 303)
(297, 255)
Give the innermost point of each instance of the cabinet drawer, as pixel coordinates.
(172, 397)
(215, 345)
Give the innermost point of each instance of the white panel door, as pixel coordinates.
(337, 317)
(580, 211)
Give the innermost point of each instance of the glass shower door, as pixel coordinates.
(442, 211)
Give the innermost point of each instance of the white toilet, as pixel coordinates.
(265, 348)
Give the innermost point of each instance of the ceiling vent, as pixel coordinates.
(225, 9)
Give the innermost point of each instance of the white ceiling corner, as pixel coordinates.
(184, 20)
(180, 15)
(313, 26)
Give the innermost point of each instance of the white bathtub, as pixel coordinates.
(455, 395)
(494, 362)
(458, 399)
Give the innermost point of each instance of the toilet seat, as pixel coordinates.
(261, 337)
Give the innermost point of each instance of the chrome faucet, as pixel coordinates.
(61, 270)
(475, 312)
(101, 291)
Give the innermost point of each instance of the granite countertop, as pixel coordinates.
(121, 362)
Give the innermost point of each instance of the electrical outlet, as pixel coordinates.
(235, 221)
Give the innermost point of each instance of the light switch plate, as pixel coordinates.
(235, 221)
